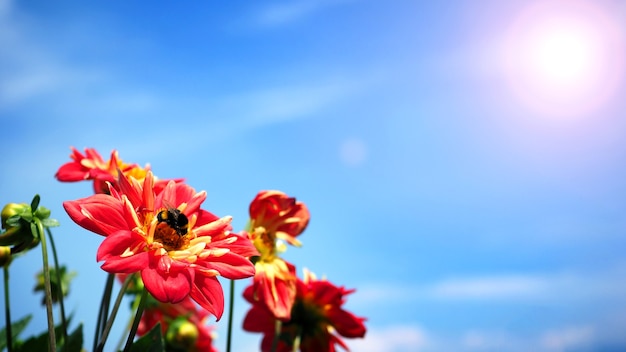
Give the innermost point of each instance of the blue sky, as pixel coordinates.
(474, 203)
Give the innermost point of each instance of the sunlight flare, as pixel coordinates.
(564, 59)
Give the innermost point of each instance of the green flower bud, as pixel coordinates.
(24, 225)
(18, 230)
(5, 256)
(13, 210)
(181, 335)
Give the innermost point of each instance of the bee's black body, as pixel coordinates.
(175, 219)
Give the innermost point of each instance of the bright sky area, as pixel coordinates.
(463, 161)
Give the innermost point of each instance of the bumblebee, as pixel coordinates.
(175, 219)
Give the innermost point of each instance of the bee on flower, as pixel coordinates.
(174, 263)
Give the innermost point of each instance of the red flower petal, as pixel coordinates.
(346, 323)
(207, 291)
(230, 265)
(113, 250)
(99, 213)
(171, 287)
(257, 319)
(275, 287)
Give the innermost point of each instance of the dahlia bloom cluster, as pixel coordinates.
(316, 322)
(168, 252)
(292, 314)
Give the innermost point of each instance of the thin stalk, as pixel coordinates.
(231, 307)
(104, 309)
(297, 340)
(7, 310)
(133, 329)
(38, 226)
(59, 286)
(121, 341)
(116, 306)
(278, 325)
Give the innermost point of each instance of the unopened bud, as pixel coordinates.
(12, 209)
(5, 256)
(181, 334)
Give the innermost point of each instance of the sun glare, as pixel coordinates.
(563, 54)
(564, 58)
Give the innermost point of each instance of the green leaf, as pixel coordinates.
(34, 230)
(150, 342)
(14, 220)
(42, 212)
(40, 342)
(35, 203)
(27, 216)
(34, 343)
(74, 340)
(50, 222)
(16, 329)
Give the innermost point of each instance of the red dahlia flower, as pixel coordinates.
(274, 216)
(178, 248)
(91, 166)
(317, 319)
(278, 216)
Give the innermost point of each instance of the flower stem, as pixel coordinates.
(7, 310)
(128, 325)
(104, 309)
(59, 286)
(231, 306)
(278, 325)
(297, 340)
(109, 323)
(38, 227)
(133, 329)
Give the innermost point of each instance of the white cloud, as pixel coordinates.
(560, 339)
(284, 13)
(413, 338)
(400, 338)
(270, 105)
(41, 76)
(31, 70)
(558, 288)
(490, 287)
(289, 12)
(476, 340)
(567, 338)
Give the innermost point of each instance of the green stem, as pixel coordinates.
(7, 310)
(118, 347)
(38, 227)
(297, 340)
(133, 329)
(231, 307)
(59, 286)
(104, 309)
(278, 325)
(109, 323)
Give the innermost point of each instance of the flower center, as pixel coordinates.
(265, 243)
(308, 316)
(170, 238)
